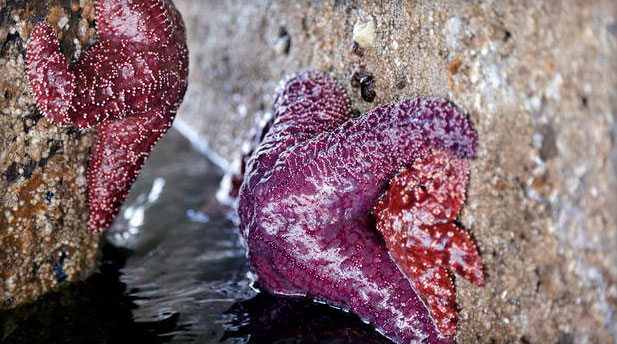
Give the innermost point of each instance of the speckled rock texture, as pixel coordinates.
(538, 80)
(44, 240)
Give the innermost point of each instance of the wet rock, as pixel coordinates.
(537, 81)
(44, 241)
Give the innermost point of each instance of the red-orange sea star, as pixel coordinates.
(127, 86)
(416, 218)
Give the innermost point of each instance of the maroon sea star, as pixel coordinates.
(305, 204)
(128, 86)
(416, 218)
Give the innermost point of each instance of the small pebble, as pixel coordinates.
(364, 33)
(282, 44)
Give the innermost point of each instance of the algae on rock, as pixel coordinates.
(44, 240)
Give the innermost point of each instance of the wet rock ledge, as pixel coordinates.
(538, 80)
(44, 240)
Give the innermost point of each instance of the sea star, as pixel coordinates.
(416, 218)
(306, 200)
(128, 86)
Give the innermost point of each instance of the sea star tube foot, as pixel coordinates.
(128, 86)
(309, 189)
(415, 217)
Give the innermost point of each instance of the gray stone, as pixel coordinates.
(44, 240)
(538, 80)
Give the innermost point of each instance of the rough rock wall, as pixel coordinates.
(538, 79)
(44, 239)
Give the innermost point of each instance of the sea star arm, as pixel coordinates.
(419, 209)
(426, 257)
(360, 156)
(348, 266)
(116, 160)
(460, 251)
(82, 94)
(143, 22)
(307, 104)
(52, 84)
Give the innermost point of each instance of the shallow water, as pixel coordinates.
(173, 270)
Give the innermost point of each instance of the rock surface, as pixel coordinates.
(44, 240)
(538, 81)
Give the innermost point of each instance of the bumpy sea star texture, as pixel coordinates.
(128, 86)
(416, 218)
(310, 187)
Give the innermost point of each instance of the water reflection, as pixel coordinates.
(266, 318)
(97, 310)
(187, 258)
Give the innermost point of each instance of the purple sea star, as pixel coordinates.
(305, 204)
(128, 86)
